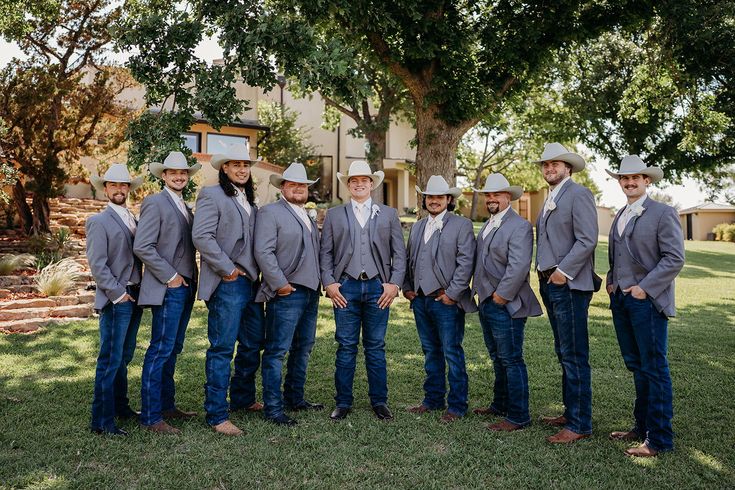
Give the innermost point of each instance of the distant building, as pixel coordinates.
(698, 221)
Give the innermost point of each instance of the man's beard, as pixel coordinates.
(118, 199)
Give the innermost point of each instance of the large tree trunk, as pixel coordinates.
(41, 213)
(476, 196)
(24, 211)
(377, 141)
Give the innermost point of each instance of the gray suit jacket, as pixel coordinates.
(571, 230)
(110, 256)
(159, 243)
(279, 246)
(505, 256)
(386, 237)
(656, 243)
(219, 224)
(453, 254)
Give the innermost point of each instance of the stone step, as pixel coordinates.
(6, 281)
(31, 325)
(84, 298)
(20, 314)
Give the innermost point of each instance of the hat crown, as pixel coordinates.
(176, 160)
(117, 172)
(631, 164)
(359, 168)
(296, 172)
(437, 183)
(238, 151)
(552, 150)
(495, 182)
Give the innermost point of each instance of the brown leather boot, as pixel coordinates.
(559, 421)
(227, 428)
(178, 414)
(162, 428)
(418, 409)
(566, 436)
(642, 451)
(504, 426)
(629, 435)
(448, 418)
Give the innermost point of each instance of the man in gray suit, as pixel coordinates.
(287, 252)
(566, 237)
(501, 281)
(163, 243)
(363, 260)
(116, 271)
(646, 253)
(223, 233)
(440, 256)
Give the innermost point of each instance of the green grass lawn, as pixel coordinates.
(46, 388)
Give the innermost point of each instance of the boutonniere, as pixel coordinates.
(312, 214)
(550, 205)
(376, 210)
(494, 224)
(439, 224)
(638, 210)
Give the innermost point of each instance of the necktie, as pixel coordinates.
(130, 222)
(431, 226)
(549, 204)
(182, 207)
(489, 227)
(243, 202)
(304, 217)
(360, 214)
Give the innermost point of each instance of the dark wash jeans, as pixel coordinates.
(361, 313)
(233, 317)
(290, 328)
(118, 331)
(504, 341)
(567, 310)
(168, 328)
(643, 337)
(441, 332)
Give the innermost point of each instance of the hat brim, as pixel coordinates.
(576, 161)
(377, 178)
(452, 191)
(218, 159)
(156, 169)
(515, 191)
(99, 183)
(654, 173)
(277, 180)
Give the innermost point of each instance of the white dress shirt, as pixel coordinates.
(628, 213)
(493, 222)
(362, 210)
(127, 217)
(242, 199)
(550, 202)
(301, 213)
(179, 203)
(433, 223)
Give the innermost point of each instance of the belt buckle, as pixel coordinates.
(363, 276)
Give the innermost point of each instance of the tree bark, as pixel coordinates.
(24, 211)
(377, 141)
(41, 214)
(476, 196)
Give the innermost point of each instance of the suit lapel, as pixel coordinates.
(117, 219)
(563, 189)
(372, 224)
(173, 204)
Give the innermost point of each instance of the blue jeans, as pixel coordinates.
(118, 331)
(290, 327)
(361, 313)
(567, 310)
(168, 329)
(233, 316)
(504, 342)
(441, 331)
(643, 337)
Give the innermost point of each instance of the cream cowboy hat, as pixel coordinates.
(118, 172)
(174, 161)
(238, 152)
(498, 183)
(296, 172)
(361, 168)
(633, 165)
(557, 151)
(437, 186)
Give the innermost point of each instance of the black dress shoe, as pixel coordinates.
(305, 405)
(282, 419)
(382, 412)
(116, 432)
(339, 413)
(127, 413)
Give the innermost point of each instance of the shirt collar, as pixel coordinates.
(357, 205)
(439, 217)
(638, 203)
(298, 208)
(175, 196)
(555, 191)
(121, 210)
(499, 216)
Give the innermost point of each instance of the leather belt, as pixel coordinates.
(435, 294)
(545, 275)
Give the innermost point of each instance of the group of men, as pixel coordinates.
(262, 271)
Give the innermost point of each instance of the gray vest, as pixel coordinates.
(243, 251)
(624, 264)
(424, 277)
(482, 282)
(545, 258)
(362, 253)
(187, 263)
(308, 273)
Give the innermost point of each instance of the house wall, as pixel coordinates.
(704, 221)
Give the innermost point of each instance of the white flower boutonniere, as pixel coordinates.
(439, 224)
(495, 223)
(376, 210)
(312, 214)
(550, 205)
(637, 210)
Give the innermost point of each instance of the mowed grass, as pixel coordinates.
(46, 388)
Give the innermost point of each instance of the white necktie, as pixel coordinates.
(244, 202)
(130, 222)
(182, 207)
(431, 227)
(361, 212)
(549, 204)
(489, 227)
(305, 217)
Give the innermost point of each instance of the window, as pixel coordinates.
(193, 141)
(218, 143)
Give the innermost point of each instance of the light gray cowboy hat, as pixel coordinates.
(498, 183)
(296, 172)
(174, 161)
(437, 186)
(361, 168)
(633, 165)
(557, 151)
(239, 152)
(118, 172)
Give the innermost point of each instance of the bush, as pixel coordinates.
(58, 277)
(50, 247)
(718, 230)
(10, 263)
(728, 233)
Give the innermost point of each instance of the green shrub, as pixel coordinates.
(10, 263)
(728, 233)
(718, 230)
(50, 247)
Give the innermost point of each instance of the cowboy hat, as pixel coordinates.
(633, 165)
(498, 183)
(557, 151)
(437, 186)
(118, 172)
(361, 168)
(296, 172)
(238, 152)
(174, 161)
